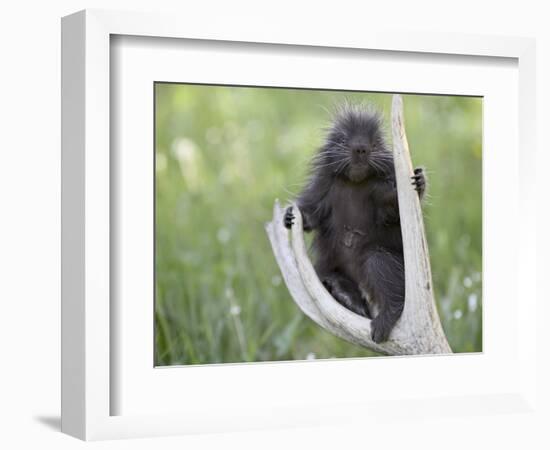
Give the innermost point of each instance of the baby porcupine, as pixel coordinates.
(350, 202)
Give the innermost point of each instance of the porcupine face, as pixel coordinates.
(355, 148)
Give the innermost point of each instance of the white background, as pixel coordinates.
(29, 229)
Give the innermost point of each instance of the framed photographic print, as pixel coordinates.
(251, 216)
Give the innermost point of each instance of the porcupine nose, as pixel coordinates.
(360, 152)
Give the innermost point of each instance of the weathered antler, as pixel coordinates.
(419, 330)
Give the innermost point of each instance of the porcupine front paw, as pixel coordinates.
(419, 181)
(289, 218)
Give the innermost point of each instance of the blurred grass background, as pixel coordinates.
(223, 154)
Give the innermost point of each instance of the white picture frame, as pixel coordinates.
(88, 386)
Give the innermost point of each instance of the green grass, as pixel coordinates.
(222, 157)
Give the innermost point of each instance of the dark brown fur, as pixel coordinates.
(351, 203)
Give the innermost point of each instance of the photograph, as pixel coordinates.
(225, 154)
